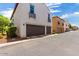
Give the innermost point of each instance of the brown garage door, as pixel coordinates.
(34, 30)
(48, 30)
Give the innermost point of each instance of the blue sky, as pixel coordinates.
(6, 9)
(67, 11)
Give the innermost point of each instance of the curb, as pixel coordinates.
(17, 42)
(11, 43)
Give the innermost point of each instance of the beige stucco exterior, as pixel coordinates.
(57, 28)
(62, 27)
(66, 26)
(21, 17)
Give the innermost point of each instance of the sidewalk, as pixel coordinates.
(3, 40)
(20, 41)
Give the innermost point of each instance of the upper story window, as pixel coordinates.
(58, 23)
(32, 13)
(32, 8)
(62, 24)
(49, 20)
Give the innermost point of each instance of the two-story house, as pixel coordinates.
(57, 24)
(66, 26)
(31, 19)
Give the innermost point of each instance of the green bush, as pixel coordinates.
(11, 32)
(1, 36)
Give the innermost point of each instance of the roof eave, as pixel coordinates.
(14, 10)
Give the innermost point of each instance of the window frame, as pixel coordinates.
(32, 9)
(49, 20)
(58, 22)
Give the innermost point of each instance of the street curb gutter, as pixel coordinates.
(17, 42)
(11, 43)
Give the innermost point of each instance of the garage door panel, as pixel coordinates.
(34, 30)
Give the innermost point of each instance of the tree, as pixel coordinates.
(70, 26)
(4, 23)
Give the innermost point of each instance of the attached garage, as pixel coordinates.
(48, 30)
(34, 30)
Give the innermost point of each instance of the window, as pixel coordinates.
(31, 8)
(58, 23)
(49, 20)
(62, 24)
(32, 13)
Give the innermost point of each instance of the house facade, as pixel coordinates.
(66, 26)
(57, 24)
(31, 19)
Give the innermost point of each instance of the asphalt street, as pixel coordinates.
(64, 44)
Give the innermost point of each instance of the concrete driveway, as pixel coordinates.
(65, 44)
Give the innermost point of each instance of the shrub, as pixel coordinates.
(1, 36)
(11, 32)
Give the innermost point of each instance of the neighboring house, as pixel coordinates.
(31, 19)
(75, 28)
(57, 24)
(66, 26)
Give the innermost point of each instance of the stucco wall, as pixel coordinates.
(66, 26)
(21, 17)
(57, 27)
(41, 12)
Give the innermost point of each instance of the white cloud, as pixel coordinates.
(76, 13)
(54, 11)
(70, 15)
(7, 13)
(65, 16)
(56, 3)
(49, 4)
(53, 5)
